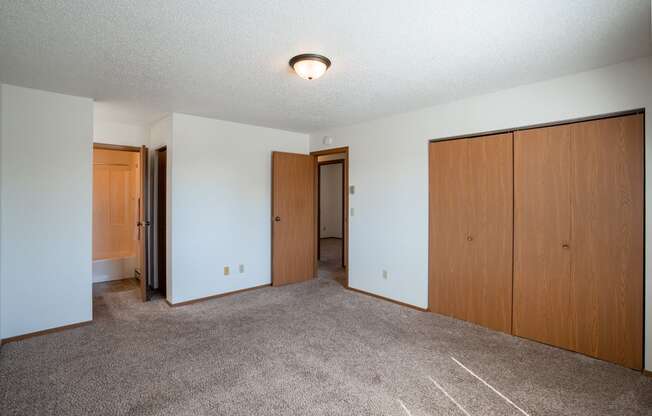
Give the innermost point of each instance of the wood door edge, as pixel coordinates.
(143, 171)
(343, 149)
(119, 147)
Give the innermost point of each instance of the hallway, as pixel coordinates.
(330, 261)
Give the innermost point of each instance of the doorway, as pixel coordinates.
(332, 214)
(330, 217)
(160, 221)
(119, 224)
(295, 224)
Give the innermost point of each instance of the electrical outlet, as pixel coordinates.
(241, 268)
(226, 270)
(385, 274)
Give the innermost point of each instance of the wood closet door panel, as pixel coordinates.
(449, 225)
(542, 216)
(607, 232)
(490, 182)
(471, 230)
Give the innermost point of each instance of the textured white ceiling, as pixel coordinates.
(228, 58)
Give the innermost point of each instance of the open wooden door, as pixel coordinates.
(143, 225)
(293, 218)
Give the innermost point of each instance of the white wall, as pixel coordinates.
(330, 201)
(221, 204)
(1, 117)
(389, 169)
(109, 132)
(160, 133)
(46, 205)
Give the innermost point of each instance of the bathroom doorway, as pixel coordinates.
(120, 225)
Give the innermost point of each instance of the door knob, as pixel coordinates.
(469, 238)
(277, 219)
(565, 245)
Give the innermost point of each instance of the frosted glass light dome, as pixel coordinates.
(310, 65)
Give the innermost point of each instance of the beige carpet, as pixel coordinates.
(307, 349)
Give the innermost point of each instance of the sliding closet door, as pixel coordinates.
(471, 230)
(578, 248)
(542, 231)
(449, 216)
(490, 233)
(607, 230)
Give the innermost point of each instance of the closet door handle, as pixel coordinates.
(565, 246)
(277, 219)
(469, 238)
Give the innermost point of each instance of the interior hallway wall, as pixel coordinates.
(389, 169)
(221, 204)
(1, 130)
(123, 134)
(45, 205)
(330, 201)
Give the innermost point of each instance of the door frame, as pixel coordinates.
(135, 149)
(161, 223)
(319, 165)
(345, 205)
(107, 146)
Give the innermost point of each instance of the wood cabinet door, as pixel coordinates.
(293, 218)
(607, 238)
(542, 232)
(470, 250)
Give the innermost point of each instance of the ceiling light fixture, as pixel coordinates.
(310, 65)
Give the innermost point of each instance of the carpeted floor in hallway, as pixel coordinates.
(307, 349)
(330, 260)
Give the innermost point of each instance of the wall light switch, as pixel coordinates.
(352, 189)
(241, 268)
(385, 274)
(352, 211)
(226, 270)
